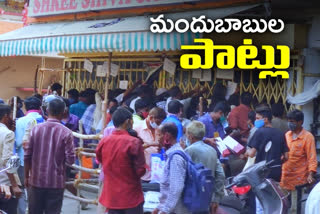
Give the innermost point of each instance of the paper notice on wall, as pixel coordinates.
(226, 74)
(88, 65)
(123, 84)
(231, 88)
(206, 75)
(100, 71)
(114, 69)
(169, 66)
(197, 74)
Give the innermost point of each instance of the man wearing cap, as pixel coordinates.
(32, 118)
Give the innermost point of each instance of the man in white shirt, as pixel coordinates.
(7, 140)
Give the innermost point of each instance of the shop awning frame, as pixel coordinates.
(97, 36)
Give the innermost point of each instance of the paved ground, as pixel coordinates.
(71, 206)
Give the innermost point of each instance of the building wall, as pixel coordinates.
(6, 26)
(311, 66)
(20, 71)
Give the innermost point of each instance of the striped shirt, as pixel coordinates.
(49, 149)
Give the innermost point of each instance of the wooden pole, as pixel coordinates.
(35, 80)
(14, 116)
(104, 103)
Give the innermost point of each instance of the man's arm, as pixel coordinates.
(27, 132)
(28, 152)
(69, 150)
(254, 143)
(8, 145)
(129, 90)
(219, 183)
(177, 175)
(99, 151)
(139, 161)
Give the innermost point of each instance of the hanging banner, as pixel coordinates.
(54, 7)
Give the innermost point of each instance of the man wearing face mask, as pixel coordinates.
(123, 164)
(278, 151)
(6, 151)
(265, 133)
(142, 111)
(212, 122)
(206, 155)
(302, 163)
(174, 174)
(147, 130)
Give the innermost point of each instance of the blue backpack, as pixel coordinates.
(199, 185)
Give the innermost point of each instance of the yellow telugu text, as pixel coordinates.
(246, 52)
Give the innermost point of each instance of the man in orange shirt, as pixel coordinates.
(302, 163)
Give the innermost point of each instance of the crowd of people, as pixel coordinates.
(141, 121)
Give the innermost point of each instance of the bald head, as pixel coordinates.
(158, 113)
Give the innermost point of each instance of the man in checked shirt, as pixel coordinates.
(172, 182)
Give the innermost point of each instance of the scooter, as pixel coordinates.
(270, 195)
(272, 198)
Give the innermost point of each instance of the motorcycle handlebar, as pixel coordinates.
(269, 163)
(230, 185)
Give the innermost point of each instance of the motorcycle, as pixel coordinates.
(272, 198)
(12, 166)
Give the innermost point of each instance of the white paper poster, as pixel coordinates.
(123, 84)
(206, 75)
(197, 74)
(100, 71)
(169, 66)
(225, 74)
(114, 69)
(231, 88)
(88, 65)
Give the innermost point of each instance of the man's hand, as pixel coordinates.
(155, 211)
(6, 190)
(16, 191)
(311, 178)
(211, 141)
(24, 145)
(26, 182)
(214, 208)
(183, 144)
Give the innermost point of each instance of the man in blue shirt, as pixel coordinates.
(80, 108)
(211, 120)
(32, 118)
(175, 110)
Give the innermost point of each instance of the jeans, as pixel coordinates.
(9, 206)
(45, 200)
(136, 210)
(22, 201)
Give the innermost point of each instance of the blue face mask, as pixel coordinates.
(259, 123)
(188, 142)
(222, 119)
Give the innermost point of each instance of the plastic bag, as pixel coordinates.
(157, 166)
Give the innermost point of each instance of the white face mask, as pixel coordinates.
(154, 125)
